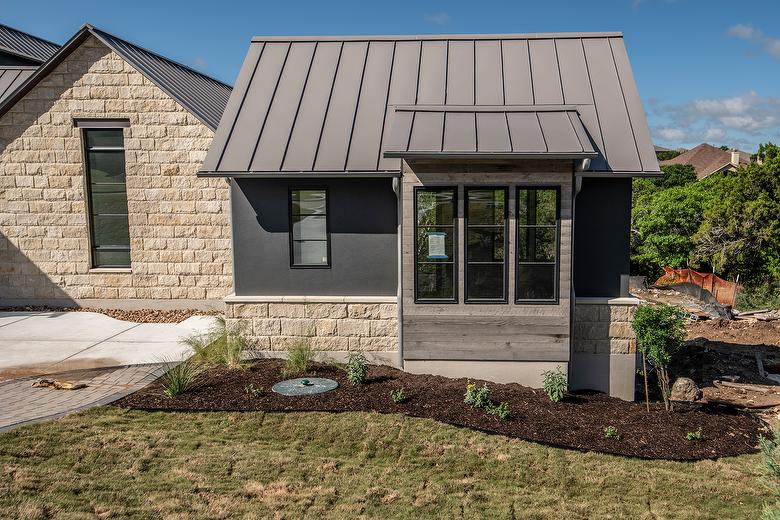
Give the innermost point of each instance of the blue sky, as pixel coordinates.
(707, 70)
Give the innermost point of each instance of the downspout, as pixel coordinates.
(577, 167)
(398, 189)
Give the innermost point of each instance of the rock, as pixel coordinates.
(684, 389)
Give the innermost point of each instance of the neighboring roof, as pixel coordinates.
(11, 77)
(326, 104)
(477, 131)
(24, 45)
(707, 159)
(202, 95)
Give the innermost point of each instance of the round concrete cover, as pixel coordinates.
(304, 386)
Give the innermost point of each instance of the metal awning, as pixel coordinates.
(489, 132)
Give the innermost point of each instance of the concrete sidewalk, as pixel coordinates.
(37, 343)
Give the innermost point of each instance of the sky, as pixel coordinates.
(707, 70)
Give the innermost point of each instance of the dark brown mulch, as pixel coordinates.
(577, 423)
(136, 315)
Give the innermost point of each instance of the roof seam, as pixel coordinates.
(357, 106)
(387, 106)
(625, 104)
(595, 106)
(327, 107)
(298, 108)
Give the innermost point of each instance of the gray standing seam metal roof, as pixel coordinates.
(12, 77)
(202, 95)
(24, 45)
(328, 104)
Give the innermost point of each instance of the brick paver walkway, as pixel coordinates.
(21, 403)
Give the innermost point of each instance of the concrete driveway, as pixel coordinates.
(36, 343)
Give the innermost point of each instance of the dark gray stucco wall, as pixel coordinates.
(602, 231)
(362, 221)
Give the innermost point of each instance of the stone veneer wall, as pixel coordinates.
(179, 224)
(604, 328)
(368, 327)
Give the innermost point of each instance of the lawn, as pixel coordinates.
(114, 463)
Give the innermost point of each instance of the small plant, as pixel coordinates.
(299, 358)
(180, 377)
(477, 397)
(499, 410)
(399, 396)
(610, 432)
(695, 436)
(219, 346)
(252, 390)
(554, 384)
(357, 368)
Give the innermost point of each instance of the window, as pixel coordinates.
(486, 221)
(309, 240)
(107, 197)
(434, 244)
(537, 245)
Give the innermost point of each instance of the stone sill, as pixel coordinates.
(232, 298)
(624, 300)
(109, 270)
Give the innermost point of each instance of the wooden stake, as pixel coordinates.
(644, 372)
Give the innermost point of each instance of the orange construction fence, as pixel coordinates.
(725, 292)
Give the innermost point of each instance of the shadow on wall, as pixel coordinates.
(23, 283)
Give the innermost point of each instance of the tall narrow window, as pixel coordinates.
(109, 227)
(486, 221)
(434, 244)
(309, 240)
(537, 245)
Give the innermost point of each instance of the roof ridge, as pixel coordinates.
(420, 37)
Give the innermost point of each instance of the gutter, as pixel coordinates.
(398, 189)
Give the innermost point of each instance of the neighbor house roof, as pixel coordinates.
(202, 95)
(707, 159)
(335, 104)
(24, 45)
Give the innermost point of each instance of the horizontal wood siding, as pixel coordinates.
(486, 331)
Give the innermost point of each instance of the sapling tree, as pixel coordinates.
(659, 334)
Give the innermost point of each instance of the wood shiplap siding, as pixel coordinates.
(486, 331)
(328, 104)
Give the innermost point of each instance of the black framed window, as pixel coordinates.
(309, 237)
(435, 213)
(486, 225)
(107, 197)
(538, 218)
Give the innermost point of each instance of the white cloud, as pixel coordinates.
(672, 134)
(438, 18)
(715, 133)
(757, 37)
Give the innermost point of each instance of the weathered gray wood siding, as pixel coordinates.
(486, 331)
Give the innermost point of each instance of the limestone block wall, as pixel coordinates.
(368, 327)
(179, 224)
(604, 328)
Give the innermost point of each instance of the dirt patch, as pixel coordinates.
(137, 315)
(577, 423)
(737, 332)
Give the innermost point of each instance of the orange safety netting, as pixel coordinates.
(724, 292)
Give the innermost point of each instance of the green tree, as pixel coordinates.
(675, 175)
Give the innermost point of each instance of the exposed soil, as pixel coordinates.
(577, 423)
(737, 332)
(137, 315)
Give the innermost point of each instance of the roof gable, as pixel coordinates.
(707, 159)
(327, 104)
(202, 95)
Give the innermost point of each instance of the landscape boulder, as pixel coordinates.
(684, 389)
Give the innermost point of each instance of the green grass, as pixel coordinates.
(111, 463)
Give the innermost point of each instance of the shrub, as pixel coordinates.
(610, 432)
(299, 358)
(181, 376)
(695, 436)
(659, 334)
(499, 410)
(399, 395)
(357, 368)
(477, 397)
(554, 384)
(218, 346)
(253, 390)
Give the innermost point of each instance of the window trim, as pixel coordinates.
(455, 245)
(505, 297)
(86, 149)
(290, 191)
(557, 282)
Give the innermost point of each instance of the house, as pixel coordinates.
(20, 55)
(100, 141)
(457, 205)
(707, 159)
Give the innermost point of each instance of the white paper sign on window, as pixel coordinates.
(436, 250)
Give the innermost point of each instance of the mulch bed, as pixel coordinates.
(137, 315)
(578, 422)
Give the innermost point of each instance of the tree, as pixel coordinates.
(675, 175)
